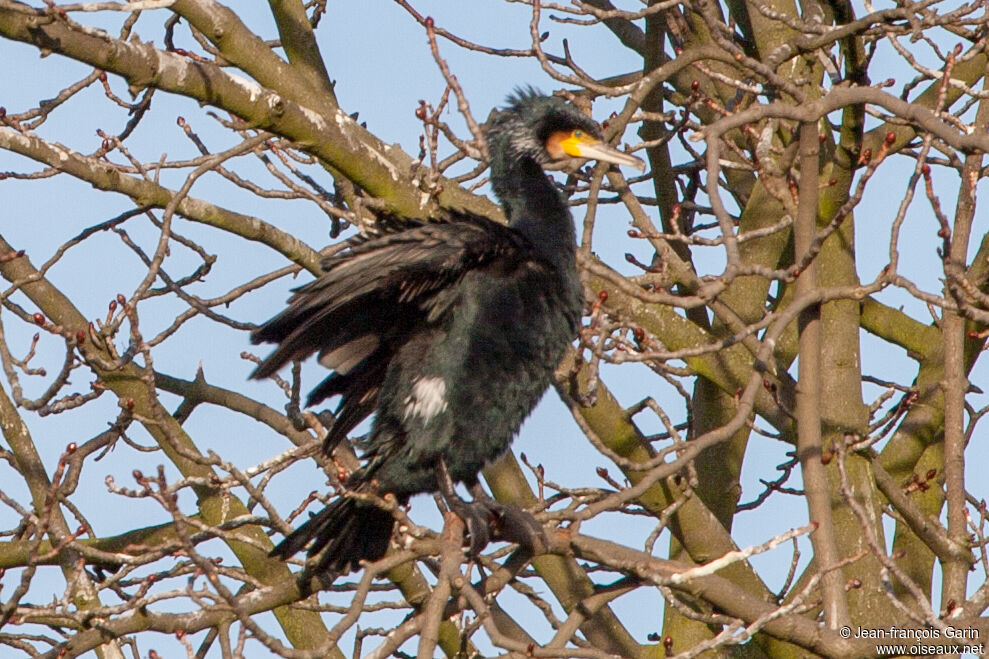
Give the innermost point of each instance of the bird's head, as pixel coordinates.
(551, 132)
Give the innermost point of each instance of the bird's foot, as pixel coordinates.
(511, 523)
(488, 520)
(477, 519)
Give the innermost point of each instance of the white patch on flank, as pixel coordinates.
(428, 399)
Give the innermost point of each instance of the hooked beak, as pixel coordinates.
(579, 144)
(601, 151)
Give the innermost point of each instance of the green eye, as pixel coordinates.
(578, 134)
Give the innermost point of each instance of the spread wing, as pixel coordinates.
(372, 297)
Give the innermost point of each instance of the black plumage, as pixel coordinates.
(448, 331)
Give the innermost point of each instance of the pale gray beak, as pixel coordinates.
(604, 153)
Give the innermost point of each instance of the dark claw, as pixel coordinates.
(478, 520)
(512, 524)
(488, 520)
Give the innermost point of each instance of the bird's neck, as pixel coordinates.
(535, 208)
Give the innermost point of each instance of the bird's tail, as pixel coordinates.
(346, 531)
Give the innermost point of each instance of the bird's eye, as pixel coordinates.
(578, 134)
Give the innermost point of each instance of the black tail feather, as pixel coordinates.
(346, 532)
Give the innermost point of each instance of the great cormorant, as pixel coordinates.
(448, 331)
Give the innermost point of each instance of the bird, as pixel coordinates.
(449, 332)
